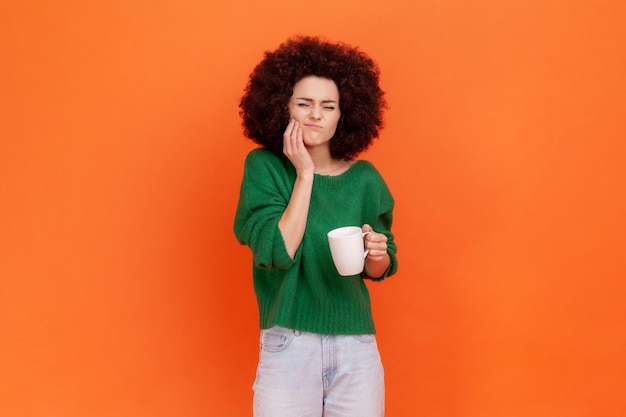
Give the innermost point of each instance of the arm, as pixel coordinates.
(293, 221)
(382, 261)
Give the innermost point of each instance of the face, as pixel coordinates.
(315, 105)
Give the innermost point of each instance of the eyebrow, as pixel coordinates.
(311, 100)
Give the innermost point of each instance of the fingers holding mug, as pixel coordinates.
(375, 243)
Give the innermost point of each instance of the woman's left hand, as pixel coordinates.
(377, 260)
(376, 243)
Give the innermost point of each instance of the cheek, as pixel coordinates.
(294, 114)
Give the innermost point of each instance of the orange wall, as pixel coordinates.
(124, 293)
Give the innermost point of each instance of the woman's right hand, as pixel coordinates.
(293, 221)
(296, 151)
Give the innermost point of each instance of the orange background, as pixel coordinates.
(123, 291)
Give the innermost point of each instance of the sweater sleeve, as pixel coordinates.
(384, 220)
(383, 225)
(262, 200)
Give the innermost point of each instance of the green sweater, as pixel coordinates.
(307, 293)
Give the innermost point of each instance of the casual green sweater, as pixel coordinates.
(307, 293)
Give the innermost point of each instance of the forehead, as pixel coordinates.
(316, 88)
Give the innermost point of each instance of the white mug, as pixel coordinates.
(348, 249)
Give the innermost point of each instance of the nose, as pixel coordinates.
(316, 112)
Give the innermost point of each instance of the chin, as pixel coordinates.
(314, 140)
(314, 143)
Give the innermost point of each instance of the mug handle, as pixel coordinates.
(366, 250)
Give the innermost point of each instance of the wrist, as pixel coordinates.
(305, 174)
(375, 268)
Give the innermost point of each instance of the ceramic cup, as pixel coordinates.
(348, 249)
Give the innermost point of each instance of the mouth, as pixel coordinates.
(313, 126)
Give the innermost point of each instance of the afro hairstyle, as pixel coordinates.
(264, 105)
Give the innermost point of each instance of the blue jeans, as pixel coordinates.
(310, 375)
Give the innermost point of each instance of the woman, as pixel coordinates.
(313, 106)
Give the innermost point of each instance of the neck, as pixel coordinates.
(327, 165)
(321, 159)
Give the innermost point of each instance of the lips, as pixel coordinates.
(313, 126)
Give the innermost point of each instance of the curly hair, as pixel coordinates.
(264, 105)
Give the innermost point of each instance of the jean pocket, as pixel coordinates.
(365, 338)
(276, 339)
